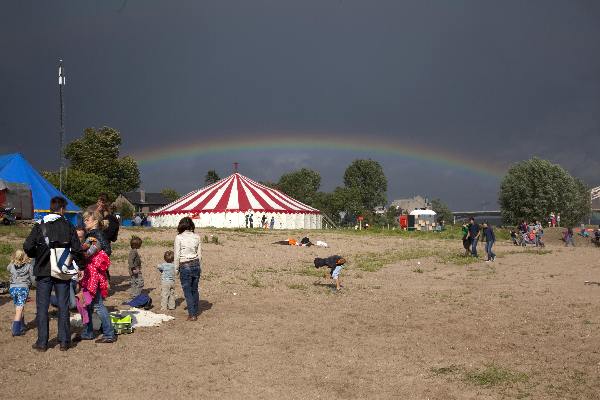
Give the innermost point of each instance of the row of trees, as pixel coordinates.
(533, 189)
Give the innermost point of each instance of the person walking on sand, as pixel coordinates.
(474, 233)
(52, 231)
(490, 239)
(188, 263)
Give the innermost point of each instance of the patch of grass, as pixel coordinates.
(147, 241)
(418, 270)
(451, 232)
(15, 230)
(531, 251)
(457, 259)
(373, 262)
(4, 261)
(119, 257)
(6, 248)
(493, 375)
(297, 286)
(255, 282)
(505, 295)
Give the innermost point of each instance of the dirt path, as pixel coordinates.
(523, 327)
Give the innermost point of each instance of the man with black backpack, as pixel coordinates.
(53, 236)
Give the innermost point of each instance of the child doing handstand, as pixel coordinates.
(335, 264)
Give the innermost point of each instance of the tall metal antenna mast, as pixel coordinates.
(61, 84)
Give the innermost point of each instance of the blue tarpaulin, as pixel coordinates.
(15, 168)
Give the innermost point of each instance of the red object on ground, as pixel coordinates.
(403, 221)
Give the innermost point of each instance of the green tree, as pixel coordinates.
(534, 188)
(367, 179)
(442, 210)
(125, 210)
(211, 177)
(170, 194)
(97, 152)
(81, 187)
(302, 185)
(340, 201)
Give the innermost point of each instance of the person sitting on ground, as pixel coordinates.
(167, 281)
(335, 264)
(136, 280)
(21, 277)
(583, 231)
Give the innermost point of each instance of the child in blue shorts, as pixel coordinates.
(21, 276)
(335, 264)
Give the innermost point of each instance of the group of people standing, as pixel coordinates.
(472, 233)
(89, 248)
(265, 223)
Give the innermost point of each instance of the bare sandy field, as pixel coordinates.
(414, 321)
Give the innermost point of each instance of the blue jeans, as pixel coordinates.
(489, 251)
(107, 327)
(72, 303)
(190, 278)
(474, 247)
(42, 303)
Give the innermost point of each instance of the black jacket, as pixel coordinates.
(61, 234)
(111, 232)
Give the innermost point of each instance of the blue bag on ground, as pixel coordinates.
(140, 301)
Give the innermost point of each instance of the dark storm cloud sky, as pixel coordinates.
(497, 81)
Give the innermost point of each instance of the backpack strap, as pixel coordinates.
(45, 233)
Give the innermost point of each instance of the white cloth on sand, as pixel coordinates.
(139, 318)
(321, 244)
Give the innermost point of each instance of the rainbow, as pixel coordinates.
(368, 145)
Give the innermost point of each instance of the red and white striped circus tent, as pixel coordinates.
(226, 203)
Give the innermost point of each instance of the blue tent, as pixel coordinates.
(14, 168)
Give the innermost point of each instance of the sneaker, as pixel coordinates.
(107, 340)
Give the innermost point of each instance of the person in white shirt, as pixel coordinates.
(187, 260)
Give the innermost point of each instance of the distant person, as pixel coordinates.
(167, 281)
(568, 237)
(466, 239)
(474, 234)
(251, 220)
(21, 277)
(144, 221)
(52, 231)
(490, 239)
(272, 224)
(188, 263)
(263, 221)
(558, 220)
(137, 220)
(134, 262)
(247, 217)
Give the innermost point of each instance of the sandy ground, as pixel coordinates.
(525, 326)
